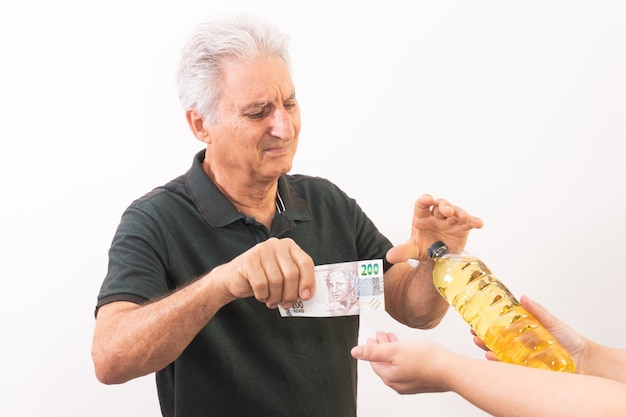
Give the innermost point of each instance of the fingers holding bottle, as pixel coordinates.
(566, 336)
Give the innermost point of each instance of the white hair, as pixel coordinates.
(216, 43)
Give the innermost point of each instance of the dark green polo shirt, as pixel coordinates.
(248, 360)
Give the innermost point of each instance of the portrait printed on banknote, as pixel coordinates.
(343, 299)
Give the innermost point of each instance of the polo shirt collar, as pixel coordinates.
(218, 211)
(295, 207)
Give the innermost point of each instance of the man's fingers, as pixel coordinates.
(306, 272)
(281, 273)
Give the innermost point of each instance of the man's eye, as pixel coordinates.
(258, 114)
(290, 105)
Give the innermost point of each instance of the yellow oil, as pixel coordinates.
(497, 317)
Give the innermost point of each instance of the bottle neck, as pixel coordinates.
(437, 250)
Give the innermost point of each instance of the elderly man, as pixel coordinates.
(198, 266)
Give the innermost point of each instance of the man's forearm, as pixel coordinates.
(410, 296)
(132, 340)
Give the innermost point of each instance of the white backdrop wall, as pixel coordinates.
(513, 110)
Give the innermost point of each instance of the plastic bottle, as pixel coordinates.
(493, 312)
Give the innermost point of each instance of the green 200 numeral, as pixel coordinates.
(369, 269)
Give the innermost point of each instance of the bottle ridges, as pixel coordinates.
(496, 316)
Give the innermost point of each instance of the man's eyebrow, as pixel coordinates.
(256, 105)
(262, 104)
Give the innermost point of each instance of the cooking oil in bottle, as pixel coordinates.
(493, 312)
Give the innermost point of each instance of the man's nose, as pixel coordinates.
(282, 125)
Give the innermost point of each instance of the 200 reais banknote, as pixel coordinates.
(342, 289)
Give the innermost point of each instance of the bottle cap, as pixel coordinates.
(437, 250)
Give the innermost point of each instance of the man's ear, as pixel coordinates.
(196, 124)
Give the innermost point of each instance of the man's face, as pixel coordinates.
(258, 121)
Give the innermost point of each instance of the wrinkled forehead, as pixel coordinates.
(256, 79)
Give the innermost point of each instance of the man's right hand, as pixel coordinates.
(276, 271)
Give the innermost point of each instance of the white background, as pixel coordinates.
(512, 110)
